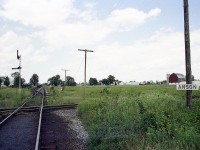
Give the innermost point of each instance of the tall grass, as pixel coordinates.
(142, 117)
(10, 97)
(69, 95)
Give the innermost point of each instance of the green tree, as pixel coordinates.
(55, 80)
(7, 81)
(105, 81)
(164, 82)
(93, 81)
(111, 79)
(16, 81)
(34, 79)
(1, 81)
(15, 74)
(70, 81)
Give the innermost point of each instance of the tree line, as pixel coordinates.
(54, 80)
(34, 80)
(106, 81)
(5, 81)
(70, 81)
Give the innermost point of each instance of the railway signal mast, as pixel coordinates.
(19, 58)
(85, 50)
(187, 53)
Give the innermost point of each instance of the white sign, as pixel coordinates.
(187, 87)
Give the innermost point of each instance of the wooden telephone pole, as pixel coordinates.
(65, 75)
(85, 50)
(187, 53)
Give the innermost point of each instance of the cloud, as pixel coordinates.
(62, 22)
(147, 59)
(91, 30)
(129, 18)
(43, 13)
(154, 12)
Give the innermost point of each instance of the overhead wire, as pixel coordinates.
(78, 70)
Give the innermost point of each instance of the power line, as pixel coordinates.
(76, 72)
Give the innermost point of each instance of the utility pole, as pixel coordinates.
(85, 50)
(65, 75)
(187, 53)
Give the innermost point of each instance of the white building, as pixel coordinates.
(129, 83)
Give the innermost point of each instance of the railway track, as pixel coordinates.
(38, 127)
(34, 108)
(18, 129)
(39, 122)
(20, 107)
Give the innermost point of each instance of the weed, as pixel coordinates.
(140, 117)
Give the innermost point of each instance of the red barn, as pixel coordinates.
(176, 78)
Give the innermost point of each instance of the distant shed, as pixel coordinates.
(176, 78)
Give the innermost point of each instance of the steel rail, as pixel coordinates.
(19, 107)
(39, 124)
(32, 108)
(12, 113)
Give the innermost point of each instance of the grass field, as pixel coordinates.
(140, 117)
(129, 117)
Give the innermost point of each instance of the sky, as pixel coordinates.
(134, 40)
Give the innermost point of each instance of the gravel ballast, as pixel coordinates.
(19, 133)
(62, 130)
